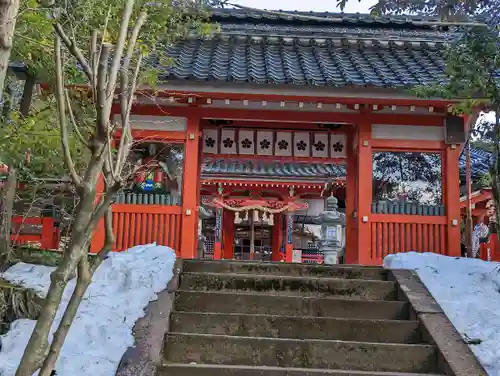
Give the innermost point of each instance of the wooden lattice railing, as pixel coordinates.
(405, 233)
(143, 224)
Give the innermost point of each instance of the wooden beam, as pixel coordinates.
(285, 116)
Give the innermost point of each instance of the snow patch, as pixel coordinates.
(121, 288)
(468, 290)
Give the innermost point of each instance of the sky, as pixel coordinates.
(353, 6)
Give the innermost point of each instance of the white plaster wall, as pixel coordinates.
(316, 206)
(407, 132)
(163, 123)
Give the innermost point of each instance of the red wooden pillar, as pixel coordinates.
(228, 235)
(277, 236)
(452, 199)
(218, 234)
(364, 193)
(289, 238)
(50, 234)
(190, 183)
(351, 238)
(98, 238)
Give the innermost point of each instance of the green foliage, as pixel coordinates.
(485, 180)
(37, 136)
(448, 10)
(32, 43)
(471, 66)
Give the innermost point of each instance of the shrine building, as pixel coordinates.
(257, 126)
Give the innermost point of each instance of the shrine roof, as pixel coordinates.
(225, 168)
(268, 170)
(314, 49)
(480, 163)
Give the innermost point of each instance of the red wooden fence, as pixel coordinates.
(490, 251)
(35, 230)
(392, 233)
(143, 224)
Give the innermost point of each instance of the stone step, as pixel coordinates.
(273, 352)
(298, 270)
(176, 369)
(295, 327)
(288, 285)
(224, 302)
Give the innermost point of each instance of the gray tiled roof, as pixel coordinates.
(341, 50)
(271, 170)
(480, 162)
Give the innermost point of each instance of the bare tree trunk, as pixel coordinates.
(7, 198)
(83, 282)
(84, 278)
(103, 79)
(8, 15)
(37, 347)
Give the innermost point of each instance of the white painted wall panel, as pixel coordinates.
(407, 132)
(283, 146)
(265, 140)
(210, 141)
(163, 123)
(338, 147)
(246, 142)
(301, 144)
(228, 141)
(320, 145)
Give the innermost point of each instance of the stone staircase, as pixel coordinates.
(264, 319)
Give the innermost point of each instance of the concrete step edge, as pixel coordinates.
(264, 316)
(288, 369)
(289, 277)
(339, 266)
(312, 341)
(327, 298)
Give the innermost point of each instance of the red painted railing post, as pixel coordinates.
(47, 238)
(494, 249)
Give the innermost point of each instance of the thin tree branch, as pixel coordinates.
(61, 101)
(73, 121)
(75, 51)
(125, 141)
(94, 60)
(124, 72)
(102, 74)
(120, 46)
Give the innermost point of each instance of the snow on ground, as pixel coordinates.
(468, 290)
(122, 287)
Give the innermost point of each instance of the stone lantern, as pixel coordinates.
(332, 242)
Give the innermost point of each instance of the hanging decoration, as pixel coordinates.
(256, 216)
(270, 222)
(265, 206)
